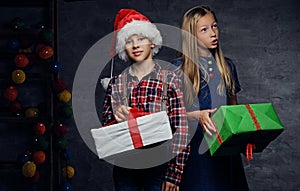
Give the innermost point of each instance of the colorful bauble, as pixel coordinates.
(36, 177)
(26, 41)
(28, 169)
(68, 172)
(13, 44)
(32, 112)
(61, 143)
(15, 106)
(58, 86)
(40, 129)
(55, 67)
(22, 158)
(47, 36)
(64, 96)
(45, 52)
(41, 143)
(67, 154)
(66, 111)
(66, 186)
(60, 130)
(39, 157)
(18, 76)
(18, 23)
(11, 93)
(21, 60)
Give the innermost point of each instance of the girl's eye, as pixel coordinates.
(203, 29)
(215, 25)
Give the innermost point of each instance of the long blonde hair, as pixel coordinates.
(190, 56)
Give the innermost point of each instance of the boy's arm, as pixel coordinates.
(178, 120)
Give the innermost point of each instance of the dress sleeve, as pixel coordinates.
(234, 75)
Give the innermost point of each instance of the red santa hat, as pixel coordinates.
(129, 22)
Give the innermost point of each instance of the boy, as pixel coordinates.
(137, 40)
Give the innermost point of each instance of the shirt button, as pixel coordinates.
(209, 62)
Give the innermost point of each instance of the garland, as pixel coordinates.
(29, 52)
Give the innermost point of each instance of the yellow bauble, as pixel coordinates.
(18, 76)
(64, 96)
(28, 169)
(68, 172)
(32, 112)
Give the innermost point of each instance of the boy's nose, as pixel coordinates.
(135, 44)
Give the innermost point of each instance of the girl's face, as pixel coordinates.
(138, 48)
(207, 32)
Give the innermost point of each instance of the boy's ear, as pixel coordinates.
(152, 46)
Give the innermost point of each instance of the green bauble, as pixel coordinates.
(41, 143)
(61, 143)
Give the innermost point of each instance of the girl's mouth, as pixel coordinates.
(215, 42)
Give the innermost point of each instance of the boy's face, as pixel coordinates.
(139, 48)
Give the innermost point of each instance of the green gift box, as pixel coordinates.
(240, 125)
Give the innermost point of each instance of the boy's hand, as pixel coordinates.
(168, 186)
(122, 113)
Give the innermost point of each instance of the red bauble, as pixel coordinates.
(21, 60)
(36, 177)
(40, 129)
(39, 157)
(11, 93)
(60, 130)
(58, 86)
(45, 52)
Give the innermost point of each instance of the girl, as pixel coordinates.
(214, 82)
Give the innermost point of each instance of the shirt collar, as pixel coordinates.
(153, 74)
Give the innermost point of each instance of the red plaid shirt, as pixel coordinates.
(146, 95)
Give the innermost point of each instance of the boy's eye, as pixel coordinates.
(128, 41)
(141, 38)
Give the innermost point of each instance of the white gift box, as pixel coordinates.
(120, 137)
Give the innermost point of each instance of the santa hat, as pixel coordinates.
(129, 22)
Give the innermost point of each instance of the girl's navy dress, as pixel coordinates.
(204, 172)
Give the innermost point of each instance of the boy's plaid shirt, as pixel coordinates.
(147, 96)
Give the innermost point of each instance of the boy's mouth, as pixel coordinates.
(137, 53)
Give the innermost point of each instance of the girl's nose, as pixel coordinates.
(213, 32)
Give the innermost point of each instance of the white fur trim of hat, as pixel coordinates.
(137, 27)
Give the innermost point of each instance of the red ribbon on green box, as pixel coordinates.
(250, 126)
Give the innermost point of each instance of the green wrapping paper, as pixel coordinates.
(239, 125)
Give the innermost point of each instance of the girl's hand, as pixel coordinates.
(203, 117)
(168, 186)
(122, 113)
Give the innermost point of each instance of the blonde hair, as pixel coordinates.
(190, 56)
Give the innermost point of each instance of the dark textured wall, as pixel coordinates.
(261, 37)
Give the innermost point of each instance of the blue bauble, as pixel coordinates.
(55, 67)
(67, 154)
(67, 186)
(13, 44)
